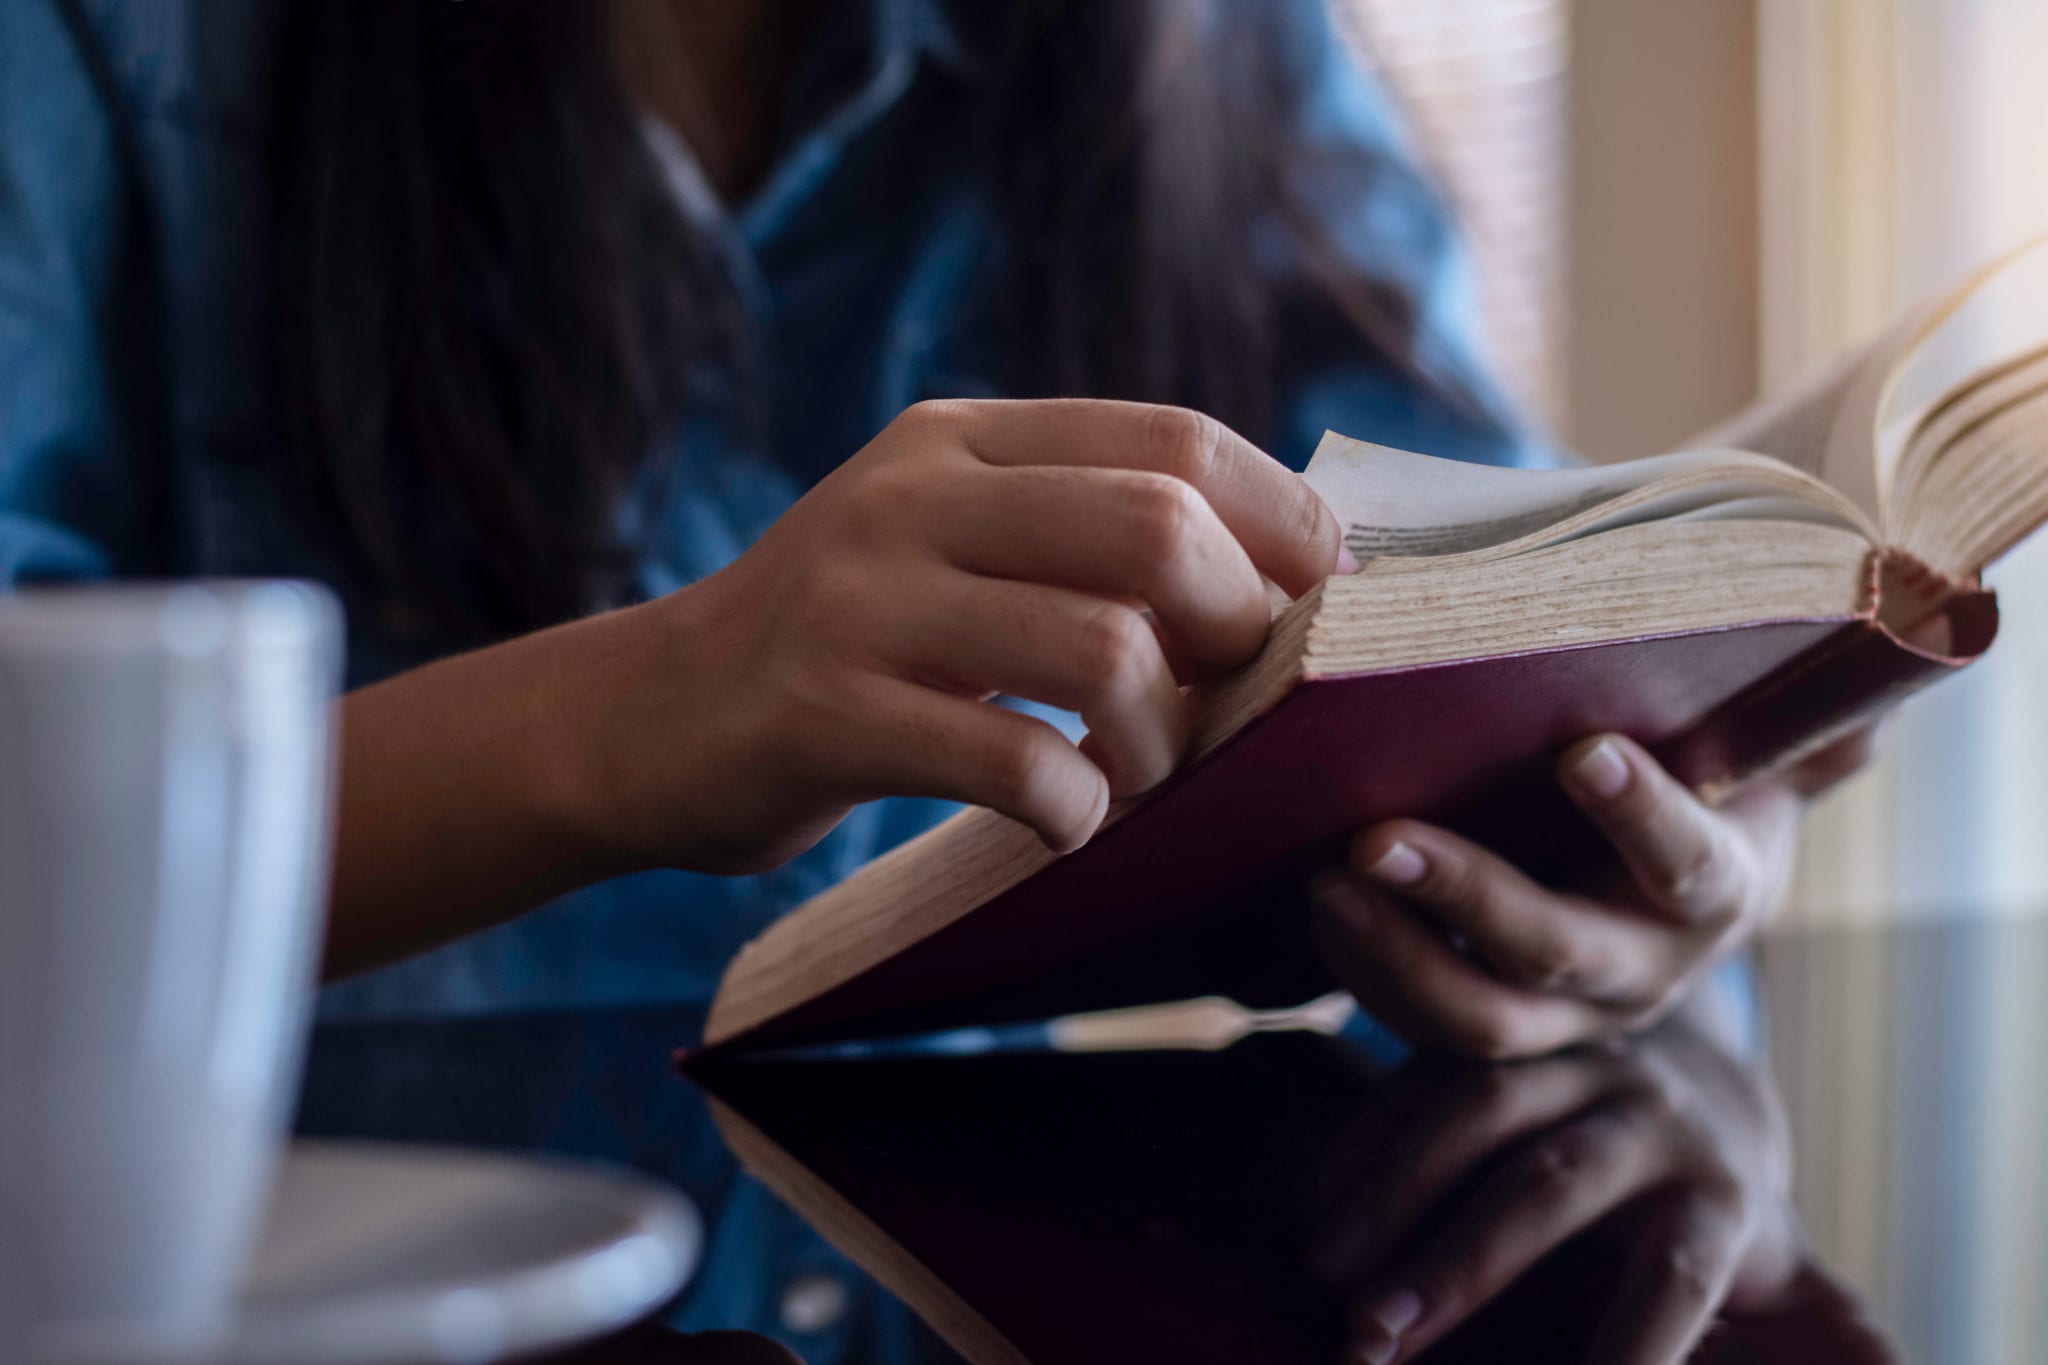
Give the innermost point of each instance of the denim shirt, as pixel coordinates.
(137, 436)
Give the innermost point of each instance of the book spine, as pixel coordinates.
(1854, 677)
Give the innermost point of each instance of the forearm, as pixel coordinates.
(470, 791)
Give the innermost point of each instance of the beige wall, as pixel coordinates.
(1660, 310)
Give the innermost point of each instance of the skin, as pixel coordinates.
(715, 74)
(1450, 1187)
(972, 547)
(1454, 945)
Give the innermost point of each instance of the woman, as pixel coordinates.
(651, 382)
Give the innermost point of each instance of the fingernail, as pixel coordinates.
(1395, 1311)
(1601, 771)
(1347, 562)
(1400, 864)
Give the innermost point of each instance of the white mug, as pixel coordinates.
(166, 772)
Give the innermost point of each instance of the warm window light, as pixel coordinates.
(1484, 81)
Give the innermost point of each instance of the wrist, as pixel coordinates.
(610, 682)
(470, 792)
(659, 741)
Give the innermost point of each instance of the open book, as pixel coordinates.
(1732, 606)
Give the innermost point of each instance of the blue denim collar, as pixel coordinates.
(901, 34)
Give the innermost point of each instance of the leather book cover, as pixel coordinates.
(1197, 891)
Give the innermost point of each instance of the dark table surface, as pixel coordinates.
(1228, 1206)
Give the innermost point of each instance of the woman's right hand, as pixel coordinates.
(1092, 555)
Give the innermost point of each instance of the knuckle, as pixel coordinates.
(1692, 1255)
(1554, 966)
(1183, 443)
(1020, 766)
(1560, 1163)
(1693, 878)
(1554, 974)
(1163, 514)
(1689, 1267)
(1605, 975)
(1112, 651)
(878, 505)
(1457, 879)
(1604, 972)
(933, 414)
(1497, 1035)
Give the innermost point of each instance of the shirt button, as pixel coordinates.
(811, 1304)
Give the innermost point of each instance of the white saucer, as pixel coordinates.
(377, 1253)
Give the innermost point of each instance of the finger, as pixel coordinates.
(1684, 857)
(1543, 1195)
(1473, 1115)
(1402, 971)
(1064, 648)
(1541, 940)
(1285, 528)
(1685, 1255)
(1123, 533)
(895, 738)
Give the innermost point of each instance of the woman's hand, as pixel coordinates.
(1454, 946)
(1090, 555)
(1450, 1187)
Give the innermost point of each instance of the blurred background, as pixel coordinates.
(1674, 207)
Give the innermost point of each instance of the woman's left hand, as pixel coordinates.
(1453, 946)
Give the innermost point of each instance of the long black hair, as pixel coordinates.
(487, 303)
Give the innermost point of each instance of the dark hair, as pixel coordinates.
(487, 305)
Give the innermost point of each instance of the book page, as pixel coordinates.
(1847, 423)
(1793, 424)
(2001, 320)
(1398, 502)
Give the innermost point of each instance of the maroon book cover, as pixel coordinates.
(1197, 890)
